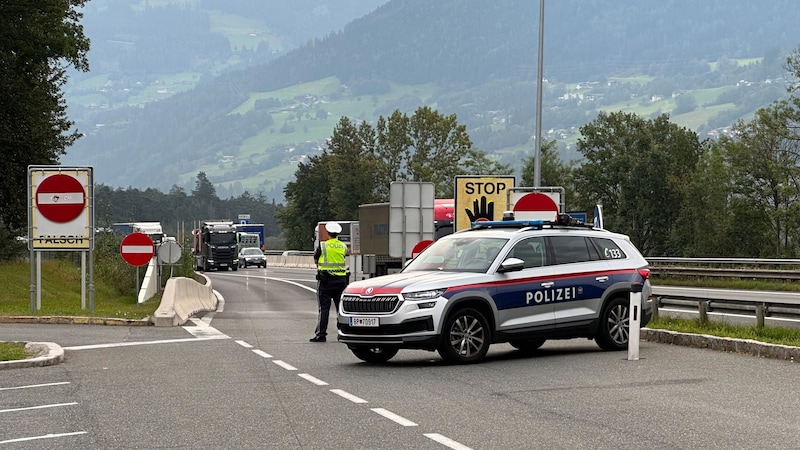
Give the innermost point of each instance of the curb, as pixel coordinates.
(730, 345)
(46, 354)
(76, 320)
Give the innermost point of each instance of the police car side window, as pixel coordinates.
(570, 249)
(531, 251)
(608, 249)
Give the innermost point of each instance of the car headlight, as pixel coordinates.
(423, 295)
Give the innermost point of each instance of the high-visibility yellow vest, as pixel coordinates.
(331, 258)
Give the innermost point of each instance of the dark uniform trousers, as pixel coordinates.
(329, 287)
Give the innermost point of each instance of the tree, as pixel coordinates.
(638, 169)
(38, 41)
(554, 172)
(307, 202)
(361, 162)
(766, 176)
(352, 165)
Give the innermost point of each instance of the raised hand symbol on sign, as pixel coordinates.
(484, 211)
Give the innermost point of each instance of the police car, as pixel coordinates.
(520, 282)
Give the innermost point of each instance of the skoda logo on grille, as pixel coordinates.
(369, 290)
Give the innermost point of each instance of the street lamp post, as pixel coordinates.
(537, 172)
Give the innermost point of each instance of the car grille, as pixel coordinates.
(377, 304)
(410, 326)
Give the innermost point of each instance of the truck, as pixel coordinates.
(373, 219)
(247, 240)
(254, 228)
(214, 246)
(321, 234)
(152, 229)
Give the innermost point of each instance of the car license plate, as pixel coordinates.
(364, 322)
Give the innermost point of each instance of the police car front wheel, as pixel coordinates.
(465, 338)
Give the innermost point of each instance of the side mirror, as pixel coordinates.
(511, 265)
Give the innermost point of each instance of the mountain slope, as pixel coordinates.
(481, 58)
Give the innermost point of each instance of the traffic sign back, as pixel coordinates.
(137, 249)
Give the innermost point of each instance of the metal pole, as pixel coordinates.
(33, 275)
(38, 281)
(537, 172)
(91, 280)
(83, 280)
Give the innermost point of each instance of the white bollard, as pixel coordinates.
(634, 322)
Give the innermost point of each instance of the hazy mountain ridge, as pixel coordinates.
(470, 49)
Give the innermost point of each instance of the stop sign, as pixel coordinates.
(60, 198)
(137, 249)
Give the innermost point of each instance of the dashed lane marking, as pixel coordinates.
(285, 365)
(446, 441)
(394, 417)
(262, 353)
(312, 379)
(348, 396)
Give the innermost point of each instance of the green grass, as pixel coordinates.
(11, 351)
(61, 293)
(772, 335)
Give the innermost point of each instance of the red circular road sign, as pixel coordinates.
(137, 249)
(60, 198)
(419, 247)
(535, 206)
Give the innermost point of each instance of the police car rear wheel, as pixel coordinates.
(612, 334)
(527, 345)
(375, 355)
(466, 337)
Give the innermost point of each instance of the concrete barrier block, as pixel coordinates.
(183, 298)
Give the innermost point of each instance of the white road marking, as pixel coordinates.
(46, 436)
(131, 344)
(278, 279)
(262, 353)
(348, 396)
(34, 386)
(394, 417)
(54, 405)
(446, 441)
(312, 379)
(244, 344)
(285, 365)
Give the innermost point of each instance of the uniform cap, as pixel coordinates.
(333, 227)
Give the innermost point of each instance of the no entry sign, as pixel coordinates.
(61, 198)
(137, 249)
(60, 208)
(535, 206)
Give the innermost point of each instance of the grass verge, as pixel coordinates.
(61, 293)
(12, 351)
(771, 335)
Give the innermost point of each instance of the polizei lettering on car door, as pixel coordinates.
(553, 295)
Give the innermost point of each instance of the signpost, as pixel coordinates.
(137, 249)
(60, 218)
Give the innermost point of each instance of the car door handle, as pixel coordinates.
(602, 279)
(548, 284)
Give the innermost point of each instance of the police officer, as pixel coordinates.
(331, 277)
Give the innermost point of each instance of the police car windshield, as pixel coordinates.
(458, 254)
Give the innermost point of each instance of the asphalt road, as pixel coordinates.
(247, 377)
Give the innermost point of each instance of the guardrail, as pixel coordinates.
(749, 268)
(762, 302)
